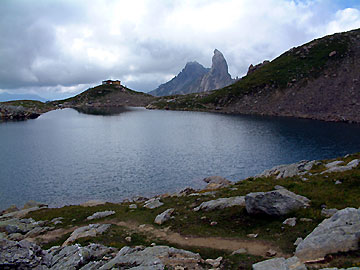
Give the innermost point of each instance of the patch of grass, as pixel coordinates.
(115, 237)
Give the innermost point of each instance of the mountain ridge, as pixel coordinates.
(195, 78)
(318, 80)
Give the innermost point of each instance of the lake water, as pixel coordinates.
(67, 157)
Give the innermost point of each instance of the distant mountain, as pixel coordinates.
(196, 78)
(318, 80)
(9, 97)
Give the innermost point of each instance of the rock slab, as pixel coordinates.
(100, 215)
(154, 258)
(221, 203)
(87, 231)
(340, 233)
(292, 263)
(164, 216)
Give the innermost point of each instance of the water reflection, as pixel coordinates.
(105, 111)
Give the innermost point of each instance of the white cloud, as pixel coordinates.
(143, 43)
(344, 20)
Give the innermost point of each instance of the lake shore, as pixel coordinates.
(211, 221)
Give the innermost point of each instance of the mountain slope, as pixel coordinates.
(195, 78)
(187, 81)
(319, 80)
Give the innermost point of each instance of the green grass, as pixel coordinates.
(231, 222)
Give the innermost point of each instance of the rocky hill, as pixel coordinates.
(107, 96)
(319, 80)
(196, 78)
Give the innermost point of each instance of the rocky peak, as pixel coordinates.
(196, 78)
(218, 75)
(219, 62)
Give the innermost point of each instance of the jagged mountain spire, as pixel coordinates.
(195, 78)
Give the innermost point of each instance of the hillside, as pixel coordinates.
(318, 80)
(107, 96)
(195, 78)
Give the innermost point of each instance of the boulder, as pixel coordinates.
(153, 203)
(22, 255)
(154, 258)
(288, 170)
(334, 166)
(340, 233)
(274, 203)
(164, 216)
(292, 263)
(87, 231)
(215, 182)
(100, 215)
(221, 203)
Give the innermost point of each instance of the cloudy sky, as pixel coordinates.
(58, 48)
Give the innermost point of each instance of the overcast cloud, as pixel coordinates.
(58, 48)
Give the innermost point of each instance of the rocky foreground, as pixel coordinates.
(299, 216)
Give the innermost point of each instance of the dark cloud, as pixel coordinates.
(58, 48)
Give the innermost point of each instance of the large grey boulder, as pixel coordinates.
(288, 170)
(91, 230)
(221, 203)
(292, 263)
(154, 258)
(274, 203)
(340, 233)
(100, 215)
(164, 216)
(23, 255)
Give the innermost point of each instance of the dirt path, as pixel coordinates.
(253, 246)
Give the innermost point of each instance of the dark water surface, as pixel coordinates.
(66, 157)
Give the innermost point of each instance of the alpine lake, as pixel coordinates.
(69, 156)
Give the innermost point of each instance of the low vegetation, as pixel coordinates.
(230, 223)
